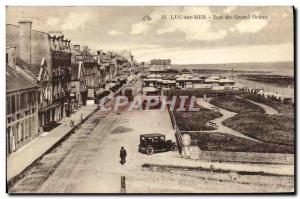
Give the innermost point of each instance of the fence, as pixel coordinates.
(227, 156)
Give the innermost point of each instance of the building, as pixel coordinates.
(78, 87)
(21, 106)
(79, 80)
(160, 62)
(46, 59)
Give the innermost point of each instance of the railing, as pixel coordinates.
(179, 139)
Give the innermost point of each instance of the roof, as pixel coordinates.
(29, 68)
(152, 135)
(226, 81)
(149, 89)
(16, 81)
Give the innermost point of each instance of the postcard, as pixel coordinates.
(150, 99)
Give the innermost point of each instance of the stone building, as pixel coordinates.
(46, 59)
(84, 58)
(21, 106)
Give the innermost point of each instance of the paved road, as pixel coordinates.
(88, 162)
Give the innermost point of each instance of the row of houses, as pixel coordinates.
(48, 78)
(153, 83)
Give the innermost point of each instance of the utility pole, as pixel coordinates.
(123, 184)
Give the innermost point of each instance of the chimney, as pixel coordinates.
(25, 41)
(76, 46)
(11, 56)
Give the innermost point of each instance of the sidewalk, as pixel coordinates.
(23, 158)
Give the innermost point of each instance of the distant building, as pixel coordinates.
(161, 62)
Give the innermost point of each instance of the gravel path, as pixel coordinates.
(218, 121)
(268, 109)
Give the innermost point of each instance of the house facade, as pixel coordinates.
(46, 59)
(21, 107)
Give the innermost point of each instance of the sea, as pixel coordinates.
(232, 70)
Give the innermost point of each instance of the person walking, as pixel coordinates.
(123, 155)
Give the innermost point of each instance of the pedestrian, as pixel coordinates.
(123, 155)
(72, 123)
(81, 117)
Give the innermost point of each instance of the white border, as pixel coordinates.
(3, 4)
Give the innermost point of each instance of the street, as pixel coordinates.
(88, 162)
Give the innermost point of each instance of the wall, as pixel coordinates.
(12, 37)
(40, 47)
(270, 158)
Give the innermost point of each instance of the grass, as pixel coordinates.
(195, 121)
(267, 128)
(208, 141)
(281, 108)
(234, 104)
(251, 120)
(200, 92)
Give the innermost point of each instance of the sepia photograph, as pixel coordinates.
(150, 100)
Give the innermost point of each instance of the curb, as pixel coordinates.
(13, 180)
(17, 177)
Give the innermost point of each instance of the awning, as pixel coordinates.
(99, 92)
(149, 89)
(91, 93)
(111, 85)
(50, 107)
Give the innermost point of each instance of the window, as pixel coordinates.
(33, 98)
(29, 99)
(17, 102)
(22, 100)
(13, 104)
(8, 105)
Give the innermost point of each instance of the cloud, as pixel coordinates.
(251, 25)
(192, 28)
(233, 54)
(139, 28)
(76, 20)
(52, 21)
(232, 29)
(229, 9)
(115, 33)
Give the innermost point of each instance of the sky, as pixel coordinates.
(268, 38)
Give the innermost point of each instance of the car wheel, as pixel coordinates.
(150, 150)
(173, 147)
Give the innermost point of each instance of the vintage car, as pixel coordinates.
(155, 142)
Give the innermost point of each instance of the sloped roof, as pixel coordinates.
(29, 68)
(16, 81)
